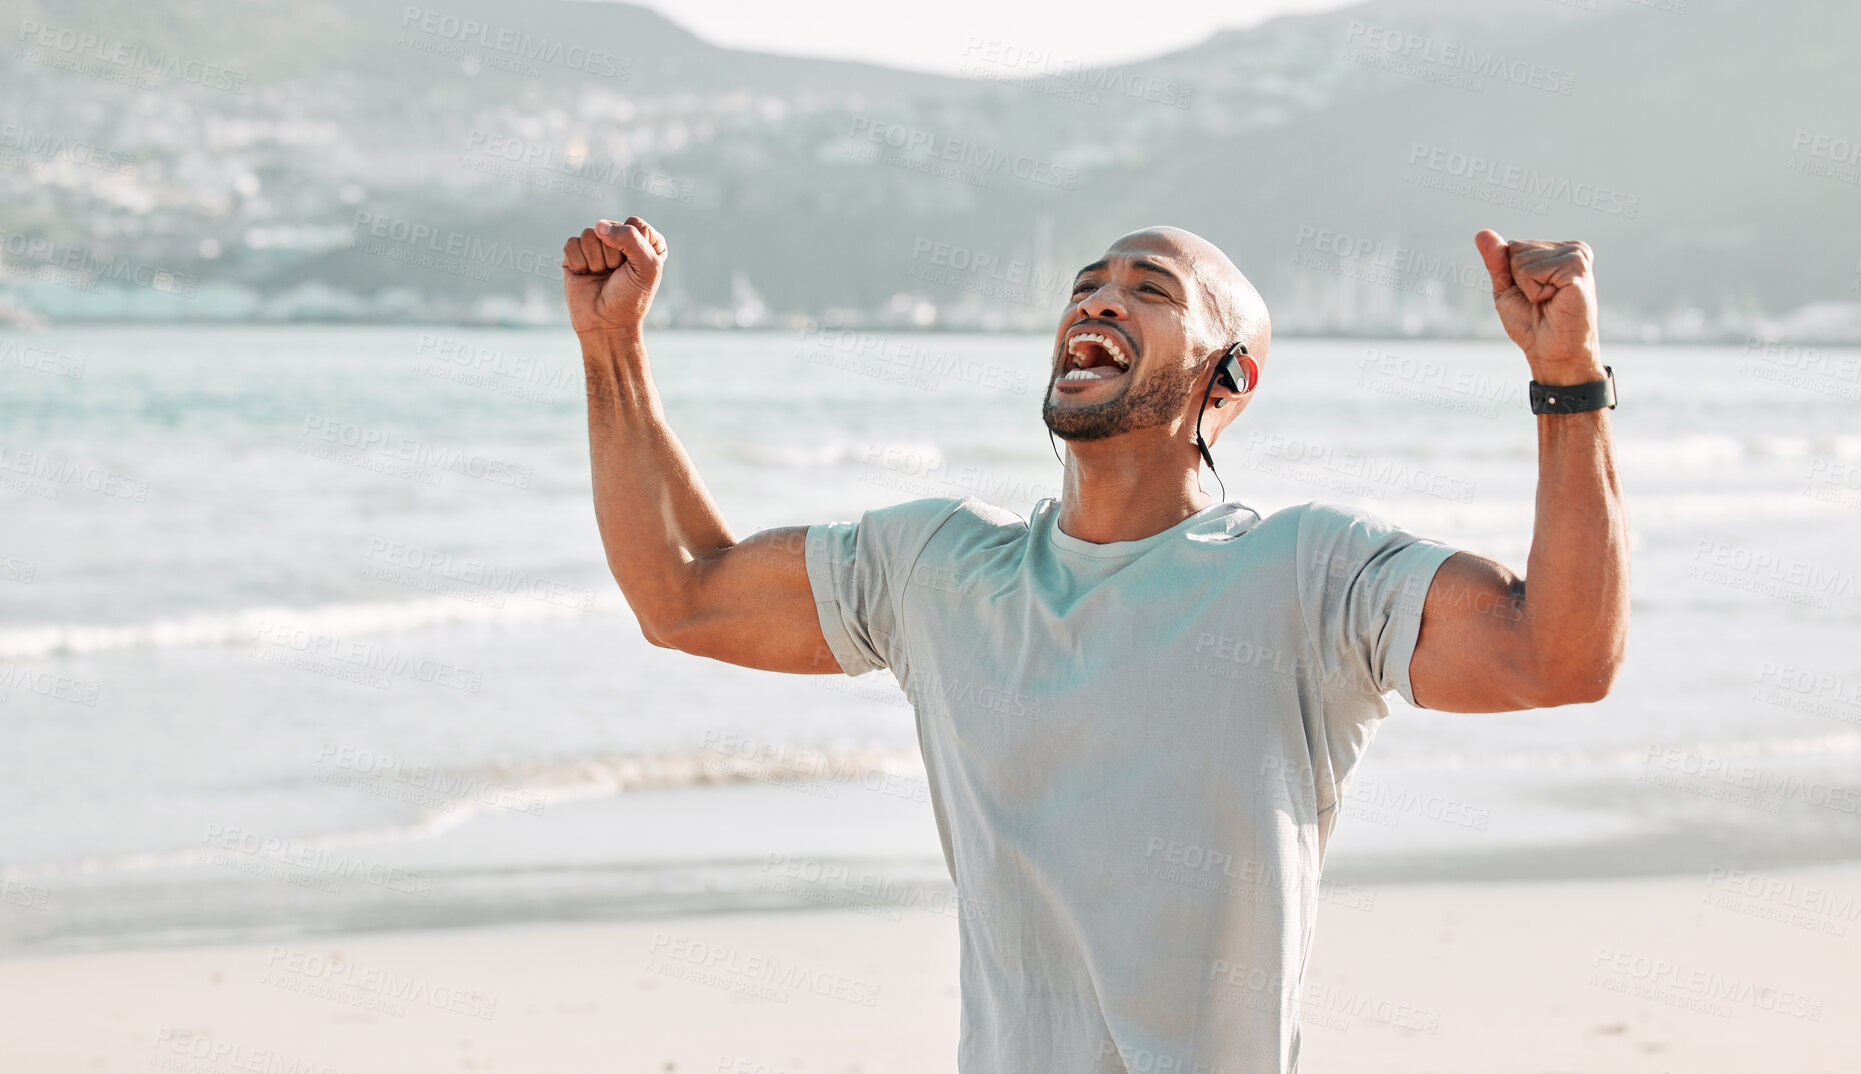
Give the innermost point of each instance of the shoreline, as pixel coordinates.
(903, 889)
(658, 854)
(1645, 974)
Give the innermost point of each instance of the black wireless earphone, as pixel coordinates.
(1229, 374)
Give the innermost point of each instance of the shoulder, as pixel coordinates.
(1321, 518)
(929, 511)
(1335, 540)
(938, 512)
(1330, 525)
(983, 515)
(910, 527)
(970, 523)
(1309, 525)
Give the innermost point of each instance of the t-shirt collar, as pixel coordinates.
(1047, 512)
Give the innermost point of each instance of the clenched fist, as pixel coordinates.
(1546, 298)
(609, 275)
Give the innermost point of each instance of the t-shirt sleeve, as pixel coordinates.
(1362, 586)
(859, 571)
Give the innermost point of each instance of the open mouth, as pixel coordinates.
(1094, 356)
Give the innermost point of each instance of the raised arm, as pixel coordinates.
(1492, 641)
(691, 584)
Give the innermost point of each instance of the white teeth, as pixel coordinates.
(1087, 374)
(1111, 347)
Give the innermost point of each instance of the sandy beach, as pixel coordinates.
(1723, 972)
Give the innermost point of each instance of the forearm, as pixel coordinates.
(1565, 625)
(1576, 579)
(655, 516)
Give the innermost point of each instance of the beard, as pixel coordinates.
(1157, 401)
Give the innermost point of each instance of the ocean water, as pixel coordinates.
(308, 628)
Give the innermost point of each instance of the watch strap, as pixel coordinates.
(1574, 398)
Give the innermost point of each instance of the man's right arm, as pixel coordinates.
(692, 585)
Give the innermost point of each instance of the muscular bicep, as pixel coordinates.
(1472, 653)
(751, 604)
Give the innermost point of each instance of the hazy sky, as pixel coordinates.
(940, 35)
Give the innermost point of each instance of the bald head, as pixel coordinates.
(1234, 310)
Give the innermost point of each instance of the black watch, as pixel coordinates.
(1574, 398)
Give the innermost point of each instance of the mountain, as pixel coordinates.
(339, 159)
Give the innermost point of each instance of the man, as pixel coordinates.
(1138, 707)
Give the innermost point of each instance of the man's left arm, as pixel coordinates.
(1489, 641)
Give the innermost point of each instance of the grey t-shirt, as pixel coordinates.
(1136, 752)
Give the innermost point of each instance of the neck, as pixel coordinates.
(1129, 487)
